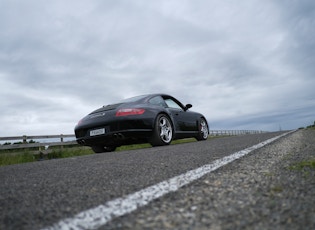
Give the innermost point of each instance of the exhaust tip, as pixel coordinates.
(118, 136)
(81, 142)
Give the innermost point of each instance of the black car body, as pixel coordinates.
(155, 118)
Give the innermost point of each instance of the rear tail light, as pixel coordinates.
(128, 112)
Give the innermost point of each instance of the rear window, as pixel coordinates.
(133, 99)
(158, 100)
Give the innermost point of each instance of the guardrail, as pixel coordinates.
(233, 132)
(24, 143)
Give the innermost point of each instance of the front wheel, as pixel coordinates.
(102, 149)
(162, 132)
(203, 130)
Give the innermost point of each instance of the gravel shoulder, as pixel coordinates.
(258, 191)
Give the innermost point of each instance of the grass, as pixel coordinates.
(306, 167)
(277, 189)
(9, 157)
(307, 164)
(15, 158)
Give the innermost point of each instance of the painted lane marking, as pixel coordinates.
(102, 214)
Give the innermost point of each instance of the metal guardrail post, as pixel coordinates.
(61, 140)
(24, 139)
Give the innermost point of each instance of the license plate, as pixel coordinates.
(97, 132)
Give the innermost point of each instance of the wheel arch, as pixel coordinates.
(199, 137)
(203, 117)
(170, 117)
(156, 139)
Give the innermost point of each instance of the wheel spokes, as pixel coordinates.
(165, 130)
(204, 129)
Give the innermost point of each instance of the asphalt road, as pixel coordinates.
(37, 195)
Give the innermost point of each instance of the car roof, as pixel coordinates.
(145, 96)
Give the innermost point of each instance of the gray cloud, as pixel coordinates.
(246, 65)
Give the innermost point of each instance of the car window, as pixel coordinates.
(158, 100)
(172, 104)
(132, 99)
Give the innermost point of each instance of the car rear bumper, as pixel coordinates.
(117, 137)
(116, 133)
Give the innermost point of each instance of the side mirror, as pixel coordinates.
(188, 106)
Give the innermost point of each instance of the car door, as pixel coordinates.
(184, 120)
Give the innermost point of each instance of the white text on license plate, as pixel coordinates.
(96, 132)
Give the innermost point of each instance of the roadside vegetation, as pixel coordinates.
(18, 156)
(306, 167)
(306, 164)
(311, 126)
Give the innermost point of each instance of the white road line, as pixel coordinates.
(102, 214)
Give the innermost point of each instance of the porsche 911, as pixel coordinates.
(155, 118)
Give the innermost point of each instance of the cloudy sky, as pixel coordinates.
(246, 64)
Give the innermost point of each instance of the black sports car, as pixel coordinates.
(155, 118)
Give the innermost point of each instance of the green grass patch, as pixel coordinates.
(181, 141)
(69, 152)
(15, 158)
(25, 156)
(308, 164)
(277, 189)
(133, 147)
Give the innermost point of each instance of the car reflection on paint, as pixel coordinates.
(155, 118)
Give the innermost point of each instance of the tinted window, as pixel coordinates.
(172, 104)
(158, 100)
(133, 99)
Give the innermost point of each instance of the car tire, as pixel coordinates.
(162, 132)
(102, 149)
(203, 130)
